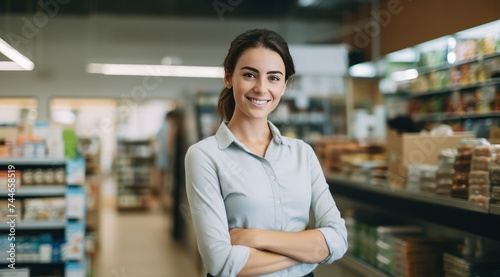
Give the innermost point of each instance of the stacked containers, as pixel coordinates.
(419, 256)
(479, 177)
(495, 175)
(457, 265)
(421, 177)
(385, 249)
(462, 166)
(444, 175)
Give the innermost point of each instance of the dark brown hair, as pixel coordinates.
(251, 39)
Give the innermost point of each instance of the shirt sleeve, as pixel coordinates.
(209, 217)
(326, 213)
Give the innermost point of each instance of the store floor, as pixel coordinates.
(137, 244)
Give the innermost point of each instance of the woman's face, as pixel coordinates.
(258, 82)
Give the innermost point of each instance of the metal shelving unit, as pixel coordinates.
(38, 191)
(31, 161)
(421, 197)
(453, 117)
(492, 82)
(495, 209)
(430, 69)
(36, 225)
(446, 211)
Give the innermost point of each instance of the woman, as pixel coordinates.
(250, 189)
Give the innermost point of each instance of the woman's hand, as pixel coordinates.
(245, 237)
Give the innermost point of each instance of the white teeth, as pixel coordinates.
(259, 102)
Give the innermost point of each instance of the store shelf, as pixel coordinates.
(36, 225)
(427, 70)
(428, 207)
(492, 82)
(421, 197)
(38, 191)
(361, 267)
(453, 117)
(38, 264)
(495, 209)
(32, 161)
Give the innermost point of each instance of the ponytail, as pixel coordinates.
(226, 105)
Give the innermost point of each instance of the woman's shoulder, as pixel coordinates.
(207, 146)
(296, 143)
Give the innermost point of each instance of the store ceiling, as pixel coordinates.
(249, 9)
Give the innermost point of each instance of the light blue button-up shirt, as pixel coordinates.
(230, 187)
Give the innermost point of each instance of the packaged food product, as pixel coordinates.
(481, 163)
(478, 176)
(495, 193)
(483, 150)
(38, 177)
(462, 165)
(27, 177)
(459, 191)
(479, 200)
(480, 189)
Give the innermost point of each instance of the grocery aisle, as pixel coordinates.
(137, 244)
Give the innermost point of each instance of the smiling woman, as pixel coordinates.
(250, 189)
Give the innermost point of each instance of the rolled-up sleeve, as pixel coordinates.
(326, 213)
(209, 218)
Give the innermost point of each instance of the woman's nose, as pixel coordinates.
(260, 86)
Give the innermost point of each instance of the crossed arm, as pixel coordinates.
(273, 250)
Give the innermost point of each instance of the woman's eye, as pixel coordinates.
(249, 75)
(274, 78)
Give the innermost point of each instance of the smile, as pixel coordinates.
(258, 102)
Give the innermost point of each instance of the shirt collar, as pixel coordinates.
(225, 137)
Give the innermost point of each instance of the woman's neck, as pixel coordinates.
(250, 131)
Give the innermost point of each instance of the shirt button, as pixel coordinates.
(278, 202)
(273, 177)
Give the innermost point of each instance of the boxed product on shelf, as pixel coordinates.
(385, 249)
(45, 209)
(479, 176)
(458, 265)
(75, 241)
(444, 175)
(413, 148)
(422, 177)
(419, 256)
(75, 171)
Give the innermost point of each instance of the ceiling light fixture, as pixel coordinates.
(156, 70)
(24, 64)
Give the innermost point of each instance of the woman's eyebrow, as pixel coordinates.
(257, 71)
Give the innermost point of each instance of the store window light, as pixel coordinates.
(18, 61)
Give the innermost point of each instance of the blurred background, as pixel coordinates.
(99, 101)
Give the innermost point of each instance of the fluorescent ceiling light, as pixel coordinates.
(10, 66)
(404, 75)
(366, 70)
(15, 56)
(156, 70)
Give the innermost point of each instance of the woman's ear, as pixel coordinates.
(227, 79)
